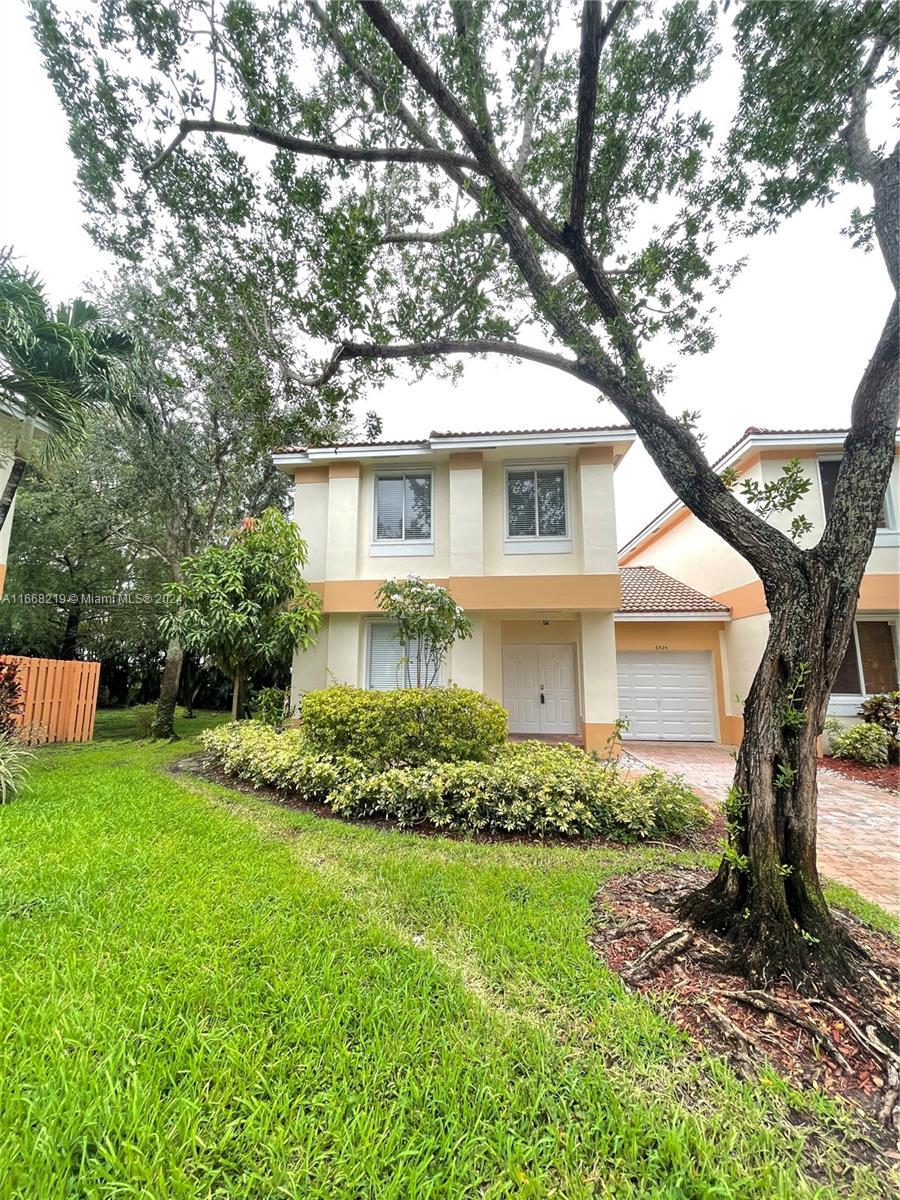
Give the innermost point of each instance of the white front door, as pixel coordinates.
(539, 689)
(667, 696)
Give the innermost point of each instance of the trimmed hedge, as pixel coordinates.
(528, 787)
(406, 727)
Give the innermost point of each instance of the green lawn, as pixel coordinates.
(205, 996)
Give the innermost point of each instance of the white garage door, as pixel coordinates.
(667, 696)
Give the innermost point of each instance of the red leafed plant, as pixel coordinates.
(11, 704)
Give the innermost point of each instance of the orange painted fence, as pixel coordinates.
(60, 699)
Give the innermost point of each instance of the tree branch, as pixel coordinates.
(864, 161)
(298, 145)
(532, 93)
(588, 65)
(347, 351)
(429, 237)
(594, 34)
(480, 147)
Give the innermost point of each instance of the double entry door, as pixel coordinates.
(539, 689)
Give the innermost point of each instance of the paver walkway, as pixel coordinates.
(859, 825)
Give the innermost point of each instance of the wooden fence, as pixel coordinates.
(60, 699)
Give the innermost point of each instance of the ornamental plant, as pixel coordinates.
(406, 726)
(244, 603)
(428, 621)
(884, 710)
(863, 743)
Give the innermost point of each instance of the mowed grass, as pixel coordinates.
(202, 995)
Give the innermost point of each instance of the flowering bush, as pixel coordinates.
(428, 621)
(406, 727)
(527, 787)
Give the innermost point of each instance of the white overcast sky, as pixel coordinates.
(794, 332)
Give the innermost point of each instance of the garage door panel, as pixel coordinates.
(667, 696)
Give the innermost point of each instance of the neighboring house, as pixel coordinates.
(11, 420)
(677, 543)
(521, 527)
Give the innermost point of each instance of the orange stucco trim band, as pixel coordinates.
(596, 736)
(343, 470)
(748, 600)
(483, 593)
(311, 475)
(2, 577)
(590, 455)
(879, 593)
(467, 460)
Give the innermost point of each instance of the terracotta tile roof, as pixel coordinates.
(646, 589)
(423, 443)
(530, 432)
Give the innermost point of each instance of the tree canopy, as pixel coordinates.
(550, 182)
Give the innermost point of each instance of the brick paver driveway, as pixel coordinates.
(859, 825)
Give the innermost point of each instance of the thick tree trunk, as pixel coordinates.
(237, 697)
(164, 722)
(69, 642)
(187, 686)
(766, 898)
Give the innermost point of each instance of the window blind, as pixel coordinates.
(389, 507)
(387, 658)
(536, 503)
(403, 507)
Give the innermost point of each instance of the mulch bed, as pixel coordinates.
(887, 778)
(634, 911)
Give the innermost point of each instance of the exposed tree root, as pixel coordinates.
(774, 1004)
(745, 1049)
(660, 953)
(840, 1036)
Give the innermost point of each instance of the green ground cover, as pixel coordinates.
(202, 995)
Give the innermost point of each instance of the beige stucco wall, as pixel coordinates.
(691, 552)
(744, 642)
(334, 509)
(311, 516)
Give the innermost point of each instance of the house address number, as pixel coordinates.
(662, 647)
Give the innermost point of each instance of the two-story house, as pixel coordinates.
(520, 526)
(677, 543)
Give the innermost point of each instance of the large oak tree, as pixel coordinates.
(530, 179)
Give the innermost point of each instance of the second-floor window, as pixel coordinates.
(403, 507)
(828, 473)
(536, 503)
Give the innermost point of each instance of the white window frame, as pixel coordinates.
(845, 704)
(439, 682)
(400, 547)
(534, 543)
(885, 535)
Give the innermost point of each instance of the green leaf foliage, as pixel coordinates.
(59, 366)
(243, 602)
(428, 622)
(406, 726)
(526, 787)
(864, 743)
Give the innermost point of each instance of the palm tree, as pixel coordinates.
(56, 368)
